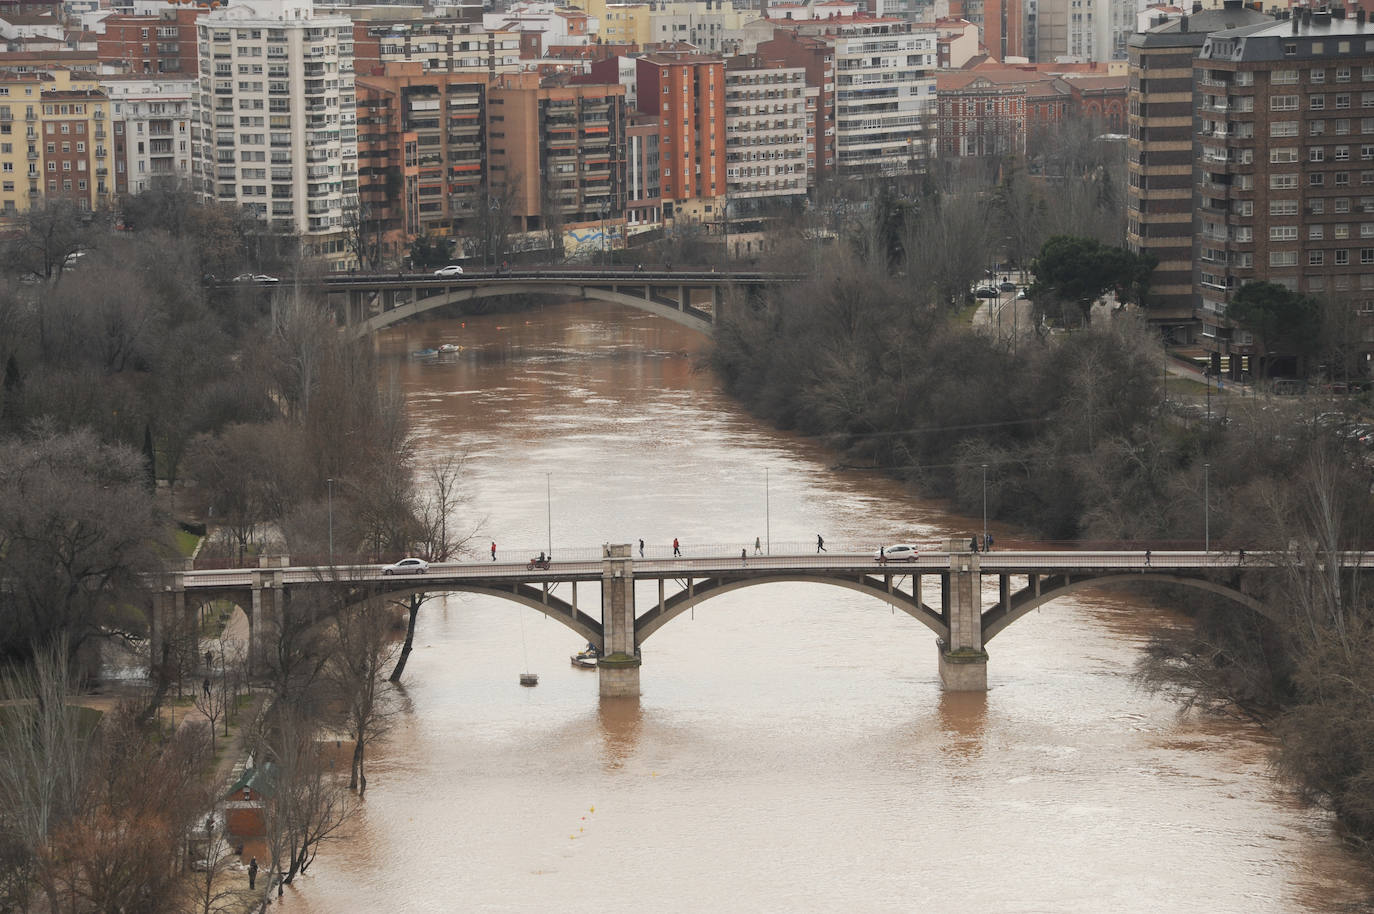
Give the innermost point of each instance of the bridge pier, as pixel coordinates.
(618, 667)
(963, 661)
(266, 608)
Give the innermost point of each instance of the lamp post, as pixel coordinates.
(767, 515)
(604, 207)
(1206, 507)
(329, 498)
(494, 211)
(548, 508)
(985, 505)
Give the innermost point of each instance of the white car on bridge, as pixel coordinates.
(901, 552)
(452, 269)
(407, 566)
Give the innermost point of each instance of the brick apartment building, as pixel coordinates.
(422, 148)
(1160, 137)
(1285, 171)
(165, 43)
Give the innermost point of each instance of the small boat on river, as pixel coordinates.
(424, 353)
(586, 659)
(447, 348)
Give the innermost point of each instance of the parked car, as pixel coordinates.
(263, 277)
(1007, 286)
(451, 270)
(985, 292)
(901, 552)
(1022, 296)
(407, 566)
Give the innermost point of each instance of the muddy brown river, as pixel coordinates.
(792, 750)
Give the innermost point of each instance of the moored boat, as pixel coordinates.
(449, 347)
(424, 353)
(586, 659)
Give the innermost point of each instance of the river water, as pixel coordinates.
(792, 750)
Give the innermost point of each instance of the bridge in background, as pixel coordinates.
(693, 298)
(946, 591)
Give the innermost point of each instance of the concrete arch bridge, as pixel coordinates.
(693, 298)
(952, 580)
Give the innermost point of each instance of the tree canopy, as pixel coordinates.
(1283, 321)
(1079, 270)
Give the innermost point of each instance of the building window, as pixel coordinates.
(1283, 258)
(1283, 233)
(1316, 154)
(1341, 258)
(1284, 103)
(1316, 180)
(1315, 258)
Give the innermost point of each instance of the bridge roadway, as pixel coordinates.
(1026, 580)
(369, 302)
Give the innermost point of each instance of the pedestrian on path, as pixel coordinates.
(987, 542)
(252, 873)
(205, 686)
(676, 550)
(744, 555)
(758, 546)
(493, 550)
(973, 543)
(641, 548)
(820, 544)
(1147, 558)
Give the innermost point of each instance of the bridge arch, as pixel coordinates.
(587, 628)
(687, 316)
(998, 622)
(679, 603)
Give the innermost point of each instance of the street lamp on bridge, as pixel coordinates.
(1206, 507)
(985, 506)
(329, 498)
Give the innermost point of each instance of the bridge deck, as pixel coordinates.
(1006, 562)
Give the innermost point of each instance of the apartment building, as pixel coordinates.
(77, 155)
(438, 45)
(164, 43)
(151, 118)
(884, 93)
(21, 130)
(621, 23)
(700, 23)
(276, 132)
(816, 57)
(1285, 170)
(1159, 155)
(54, 141)
(558, 152)
(686, 92)
(422, 149)
(643, 183)
(765, 129)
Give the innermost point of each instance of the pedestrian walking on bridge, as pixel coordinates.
(493, 550)
(676, 551)
(820, 544)
(758, 546)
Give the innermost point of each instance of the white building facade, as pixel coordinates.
(884, 96)
(765, 131)
(154, 117)
(276, 128)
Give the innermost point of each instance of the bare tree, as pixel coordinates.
(305, 804)
(364, 648)
(441, 539)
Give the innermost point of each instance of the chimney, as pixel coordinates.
(1359, 15)
(1197, 6)
(1183, 23)
(1338, 13)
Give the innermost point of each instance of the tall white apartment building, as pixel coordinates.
(151, 117)
(884, 95)
(276, 125)
(766, 117)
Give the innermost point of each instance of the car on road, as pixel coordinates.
(255, 277)
(1007, 286)
(985, 292)
(451, 270)
(899, 552)
(1022, 296)
(407, 566)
